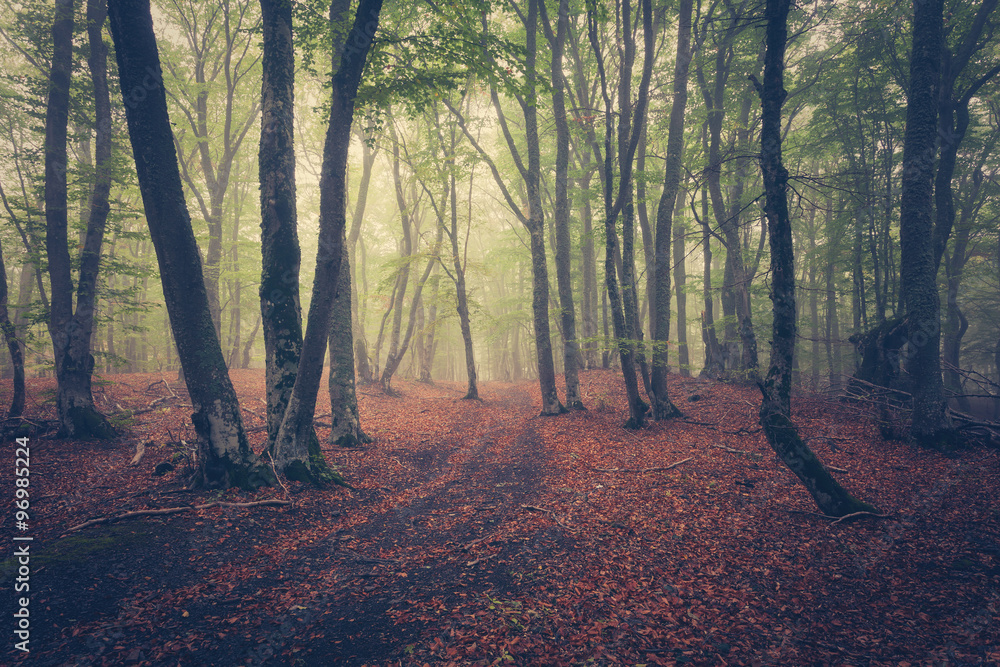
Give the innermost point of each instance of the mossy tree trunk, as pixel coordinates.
(225, 458)
(775, 410)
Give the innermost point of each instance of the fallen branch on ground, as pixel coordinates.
(730, 449)
(837, 519)
(645, 470)
(172, 510)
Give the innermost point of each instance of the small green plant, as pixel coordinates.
(122, 421)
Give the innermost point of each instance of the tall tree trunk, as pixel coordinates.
(775, 410)
(396, 355)
(930, 426)
(225, 457)
(715, 364)
(535, 224)
(296, 448)
(281, 316)
(364, 371)
(461, 291)
(680, 280)
(589, 262)
(71, 331)
(567, 310)
(13, 345)
(406, 254)
(344, 415)
(663, 408)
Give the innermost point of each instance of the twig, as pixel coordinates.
(710, 425)
(837, 519)
(853, 514)
(834, 468)
(644, 470)
(730, 449)
(172, 510)
(278, 477)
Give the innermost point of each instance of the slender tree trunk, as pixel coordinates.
(571, 352)
(461, 291)
(956, 323)
(775, 410)
(296, 448)
(225, 457)
(715, 364)
(281, 316)
(13, 345)
(406, 253)
(680, 280)
(535, 224)
(364, 371)
(930, 426)
(396, 356)
(663, 408)
(589, 262)
(71, 331)
(345, 418)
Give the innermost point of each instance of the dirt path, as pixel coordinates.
(418, 554)
(365, 571)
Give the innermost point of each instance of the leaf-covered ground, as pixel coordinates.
(481, 533)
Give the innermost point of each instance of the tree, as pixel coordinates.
(620, 282)
(13, 345)
(218, 44)
(534, 221)
(662, 406)
(918, 270)
(567, 312)
(775, 409)
(224, 454)
(71, 330)
(295, 436)
(280, 255)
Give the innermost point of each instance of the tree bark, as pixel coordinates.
(714, 365)
(296, 448)
(364, 371)
(930, 426)
(775, 410)
(225, 458)
(281, 316)
(680, 280)
(461, 292)
(345, 419)
(567, 310)
(71, 330)
(13, 345)
(663, 408)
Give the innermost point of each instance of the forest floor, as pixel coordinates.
(483, 534)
